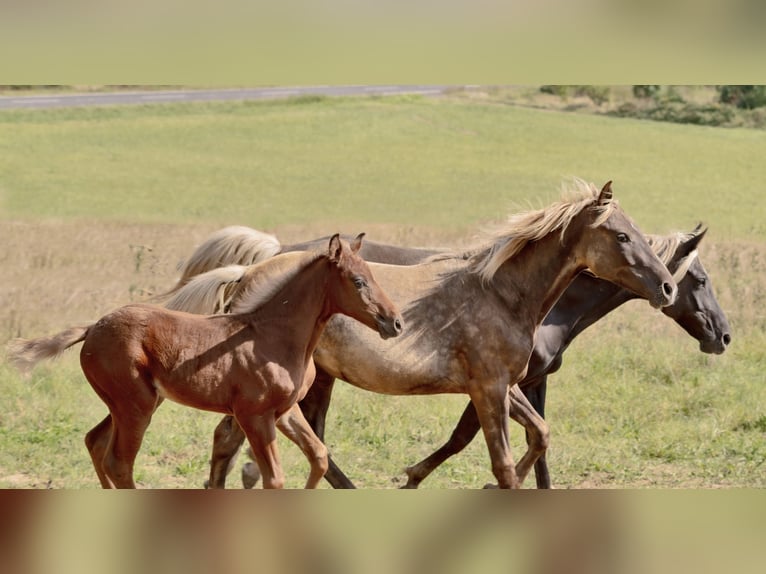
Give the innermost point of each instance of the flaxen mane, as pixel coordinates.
(231, 245)
(254, 285)
(523, 228)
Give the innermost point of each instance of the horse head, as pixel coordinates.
(696, 309)
(617, 251)
(356, 293)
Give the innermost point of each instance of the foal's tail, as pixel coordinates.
(235, 245)
(26, 353)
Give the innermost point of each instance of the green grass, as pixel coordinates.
(99, 205)
(409, 161)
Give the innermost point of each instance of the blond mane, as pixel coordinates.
(251, 285)
(523, 228)
(234, 245)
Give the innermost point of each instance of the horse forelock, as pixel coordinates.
(666, 246)
(529, 226)
(262, 281)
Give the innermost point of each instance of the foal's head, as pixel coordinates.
(617, 251)
(354, 291)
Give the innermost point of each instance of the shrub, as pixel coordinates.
(744, 97)
(645, 92)
(597, 94)
(556, 90)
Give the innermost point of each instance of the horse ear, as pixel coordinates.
(356, 244)
(605, 196)
(336, 248)
(693, 239)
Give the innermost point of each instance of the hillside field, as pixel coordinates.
(98, 206)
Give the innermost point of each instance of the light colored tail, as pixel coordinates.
(26, 353)
(235, 245)
(206, 293)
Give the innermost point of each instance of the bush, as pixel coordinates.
(744, 97)
(597, 94)
(682, 113)
(645, 92)
(556, 90)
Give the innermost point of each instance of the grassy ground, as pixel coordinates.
(100, 205)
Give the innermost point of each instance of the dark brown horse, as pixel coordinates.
(471, 321)
(254, 364)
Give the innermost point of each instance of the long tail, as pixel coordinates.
(235, 245)
(208, 292)
(26, 353)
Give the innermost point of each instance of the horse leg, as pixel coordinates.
(97, 442)
(315, 406)
(295, 427)
(464, 432)
(127, 434)
(524, 413)
(227, 439)
(536, 396)
(261, 432)
(317, 401)
(492, 407)
(131, 403)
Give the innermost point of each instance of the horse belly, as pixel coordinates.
(400, 366)
(208, 397)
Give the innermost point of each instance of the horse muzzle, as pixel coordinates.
(389, 327)
(665, 295)
(715, 346)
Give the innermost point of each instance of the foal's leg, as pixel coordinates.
(314, 407)
(261, 432)
(97, 441)
(131, 402)
(492, 406)
(524, 413)
(295, 427)
(127, 435)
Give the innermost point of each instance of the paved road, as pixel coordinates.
(155, 96)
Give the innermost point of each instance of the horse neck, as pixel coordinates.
(536, 277)
(585, 301)
(301, 306)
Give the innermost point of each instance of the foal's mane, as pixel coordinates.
(529, 226)
(261, 281)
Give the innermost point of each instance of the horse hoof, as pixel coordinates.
(490, 486)
(250, 475)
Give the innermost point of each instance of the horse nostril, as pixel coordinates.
(726, 339)
(667, 289)
(397, 325)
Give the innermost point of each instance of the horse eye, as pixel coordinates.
(359, 282)
(623, 237)
(701, 281)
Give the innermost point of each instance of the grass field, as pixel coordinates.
(98, 206)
